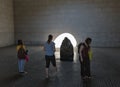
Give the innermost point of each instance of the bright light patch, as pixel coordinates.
(60, 38)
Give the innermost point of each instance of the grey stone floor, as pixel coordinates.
(105, 69)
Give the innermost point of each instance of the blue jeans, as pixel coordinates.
(21, 64)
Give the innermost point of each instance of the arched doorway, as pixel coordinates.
(59, 39)
(58, 42)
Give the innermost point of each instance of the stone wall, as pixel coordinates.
(98, 19)
(6, 23)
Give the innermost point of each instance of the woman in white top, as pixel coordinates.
(49, 48)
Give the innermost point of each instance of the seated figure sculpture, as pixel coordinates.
(66, 50)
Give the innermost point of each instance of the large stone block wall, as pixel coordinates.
(6, 23)
(98, 19)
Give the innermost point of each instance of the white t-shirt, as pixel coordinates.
(49, 48)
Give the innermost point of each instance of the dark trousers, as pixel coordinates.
(50, 59)
(85, 67)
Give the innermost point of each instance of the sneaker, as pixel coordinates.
(25, 72)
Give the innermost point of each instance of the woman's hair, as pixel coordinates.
(50, 37)
(88, 40)
(20, 42)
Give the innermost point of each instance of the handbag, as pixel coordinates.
(26, 58)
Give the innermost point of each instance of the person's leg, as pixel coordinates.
(19, 65)
(53, 61)
(82, 67)
(88, 68)
(47, 66)
(22, 65)
(85, 64)
(47, 74)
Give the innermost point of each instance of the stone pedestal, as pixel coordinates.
(66, 50)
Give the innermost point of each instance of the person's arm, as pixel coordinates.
(54, 47)
(80, 53)
(17, 47)
(24, 47)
